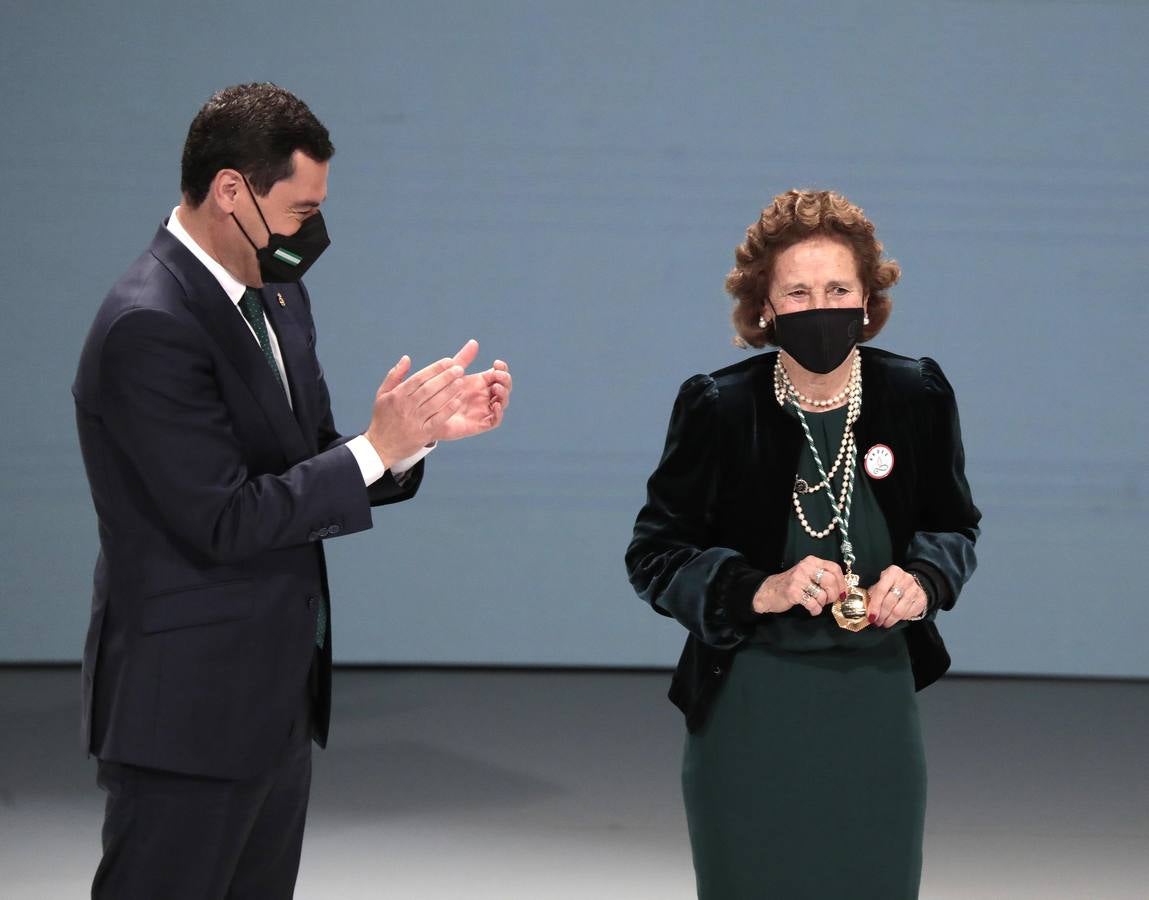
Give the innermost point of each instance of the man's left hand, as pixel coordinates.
(485, 396)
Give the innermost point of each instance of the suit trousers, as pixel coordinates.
(185, 837)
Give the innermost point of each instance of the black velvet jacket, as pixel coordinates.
(714, 524)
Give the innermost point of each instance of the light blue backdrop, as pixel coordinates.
(567, 182)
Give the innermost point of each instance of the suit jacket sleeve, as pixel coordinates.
(941, 552)
(671, 562)
(387, 489)
(161, 403)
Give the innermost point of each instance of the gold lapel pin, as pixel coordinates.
(282, 302)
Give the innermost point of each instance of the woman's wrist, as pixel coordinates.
(925, 593)
(736, 589)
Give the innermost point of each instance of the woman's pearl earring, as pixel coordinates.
(865, 318)
(761, 321)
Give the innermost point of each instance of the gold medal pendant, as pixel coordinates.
(852, 613)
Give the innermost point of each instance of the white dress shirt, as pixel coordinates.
(370, 465)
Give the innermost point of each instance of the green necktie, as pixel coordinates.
(252, 308)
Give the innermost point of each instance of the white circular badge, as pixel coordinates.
(879, 461)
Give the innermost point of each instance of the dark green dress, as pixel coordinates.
(808, 778)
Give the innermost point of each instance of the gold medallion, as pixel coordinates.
(852, 613)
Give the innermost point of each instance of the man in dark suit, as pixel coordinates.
(216, 472)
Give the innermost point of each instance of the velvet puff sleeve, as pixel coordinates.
(941, 551)
(671, 561)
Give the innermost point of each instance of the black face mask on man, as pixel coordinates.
(287, 257)
(819, 339)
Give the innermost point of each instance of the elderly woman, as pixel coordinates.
(809, 518)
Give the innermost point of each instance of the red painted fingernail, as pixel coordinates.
(842, 596)
(873, 619)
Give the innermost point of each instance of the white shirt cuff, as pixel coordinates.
(405, 465)
(371, 466)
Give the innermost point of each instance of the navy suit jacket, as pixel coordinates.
(213, 496)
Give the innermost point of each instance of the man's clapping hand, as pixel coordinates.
(438, 403)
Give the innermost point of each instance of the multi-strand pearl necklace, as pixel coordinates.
(784, 387)
(784, 390)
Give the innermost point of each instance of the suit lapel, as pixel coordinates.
(293, 346)
(219, 316)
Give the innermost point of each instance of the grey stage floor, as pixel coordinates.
(556, 785)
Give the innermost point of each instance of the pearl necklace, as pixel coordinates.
(847, 448)
(784, 387)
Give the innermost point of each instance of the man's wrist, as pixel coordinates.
(407, 463)
(372, 465)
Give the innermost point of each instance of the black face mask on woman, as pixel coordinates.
(287, 257)
(819, 339)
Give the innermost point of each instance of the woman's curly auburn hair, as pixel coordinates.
(788, 220)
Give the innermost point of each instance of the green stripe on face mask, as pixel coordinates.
(287, 256)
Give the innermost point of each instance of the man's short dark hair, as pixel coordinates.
(254, 129)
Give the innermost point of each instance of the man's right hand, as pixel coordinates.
(407, 415)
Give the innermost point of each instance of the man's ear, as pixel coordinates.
(225, 190)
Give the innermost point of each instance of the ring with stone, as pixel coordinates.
(818, 576)
(897, 592)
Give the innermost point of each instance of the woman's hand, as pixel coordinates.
(812, 583)
(896, 597)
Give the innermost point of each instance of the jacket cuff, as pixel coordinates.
(732, 595)
(937, 589)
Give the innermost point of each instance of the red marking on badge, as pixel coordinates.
(879, 461)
